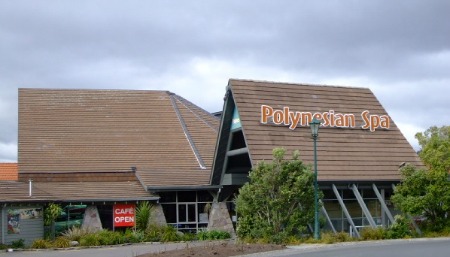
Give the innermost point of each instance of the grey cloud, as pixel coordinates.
(116, 44)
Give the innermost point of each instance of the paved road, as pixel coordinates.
(410, 248)
(390, 248)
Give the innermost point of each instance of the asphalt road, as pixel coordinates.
(435, 247)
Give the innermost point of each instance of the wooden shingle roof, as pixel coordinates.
(8, 171)
(169, 140)
(344, 154)
(13, 191)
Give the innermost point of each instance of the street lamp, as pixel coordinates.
(314, 124)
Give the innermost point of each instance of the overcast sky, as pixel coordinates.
(398, 49)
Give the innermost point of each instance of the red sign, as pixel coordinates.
(124, 215)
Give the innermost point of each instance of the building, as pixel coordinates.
(8, 172)
(104, 147)
(360, 149)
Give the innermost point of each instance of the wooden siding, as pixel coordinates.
(8, 171)
(344, 154)
(30, 229)
(76, 131)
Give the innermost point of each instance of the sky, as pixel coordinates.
(398, 49)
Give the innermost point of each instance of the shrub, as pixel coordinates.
(188, 237)
(400, 228)
(90, 240)
(169, 234)
(328, 238)
(143, 213)
(61, 242)
(75, 233)
(278, 201)
(19, 243)
(138, 236)
(343, 237)
(157, 233)
(107, 237)
(41, 244)
(331, 238)
(373, 233)
(278, 238)
(213, 235)
(134, 236)
(153, 233)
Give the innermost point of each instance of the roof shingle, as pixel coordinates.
(8, 171)
(169, 140)
(343, 153)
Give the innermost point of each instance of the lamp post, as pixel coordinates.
(314, 124)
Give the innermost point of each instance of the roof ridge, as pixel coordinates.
(181, 100)
(187, 134)
(295, 84)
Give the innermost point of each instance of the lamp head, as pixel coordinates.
(314, 124)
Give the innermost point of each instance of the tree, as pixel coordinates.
(435, 143)
(427, 191)
(51, 212)
(278, 201)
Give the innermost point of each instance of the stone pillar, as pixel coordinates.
(219, 218)
(91, 220)
(157, 215)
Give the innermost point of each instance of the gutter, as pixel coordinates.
(152, 198)
(181, 188)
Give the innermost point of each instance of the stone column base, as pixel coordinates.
(219, 219)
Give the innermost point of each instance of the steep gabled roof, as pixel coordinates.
(8, 171)
(344, 154)
(169, 140)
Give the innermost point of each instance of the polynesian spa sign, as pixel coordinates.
(330, 118)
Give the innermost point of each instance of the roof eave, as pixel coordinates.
(182, 188)
(153, 198)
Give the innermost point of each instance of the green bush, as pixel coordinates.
(153, 233)
(157, 233)
(61, 242)
(90, 240)
(328, 238)
(41, 244)
(277, 203)
(134, 236)
(331, 238)
(343, 237)
(213, 235)
(75, 233)
(169, 234)
(19, 243)
(143, 213)
(400, 229)
(279, 238)
(188, 237)
(373, 233)
(108, 237)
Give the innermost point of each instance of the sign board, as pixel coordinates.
(124, 215)
(329, 118)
